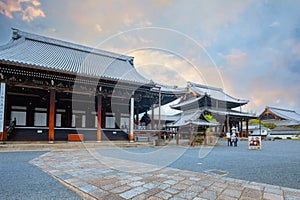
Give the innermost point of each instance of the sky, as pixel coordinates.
(250, 48)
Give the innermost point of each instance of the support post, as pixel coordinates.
(152, 117)
(99, 117)
(3, 132)
(159, 109)
(247, 127)
(51, 115)
(242, 132)
(227, 124)
(131, 133)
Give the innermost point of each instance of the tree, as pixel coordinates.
(210, 118)
(265, 124)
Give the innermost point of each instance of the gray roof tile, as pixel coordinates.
(47, 53)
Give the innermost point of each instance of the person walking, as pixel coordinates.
(228, 139)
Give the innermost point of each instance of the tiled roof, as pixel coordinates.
(215, 93)
(201, 91)
(187, 118)
(231, 113)
(290, 115)
(51, 54)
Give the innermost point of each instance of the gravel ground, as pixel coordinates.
(21, 180)
(278, 163)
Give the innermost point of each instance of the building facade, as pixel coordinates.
(51, 88)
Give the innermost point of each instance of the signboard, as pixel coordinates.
(254, 142)
(2, 106)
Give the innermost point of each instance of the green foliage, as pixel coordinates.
(265, 124)
(198, 140)
(199, 133)
(269, 125)
(254, 121)
(210, 118)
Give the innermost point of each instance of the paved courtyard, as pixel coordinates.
(278, 163)
(102, 171)
(107, 173)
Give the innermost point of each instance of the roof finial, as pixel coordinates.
(15, 34)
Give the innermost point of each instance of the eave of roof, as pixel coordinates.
(192, 118)
(35, 51)
(285, 114)
(214, 93)
(203, 91)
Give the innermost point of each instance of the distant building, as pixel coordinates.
(285, 120)
(284, 132)
(280, 117)
(257, 130)
(201, 100)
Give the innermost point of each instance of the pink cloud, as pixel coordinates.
(28, 13)
(236, 58)
(9, 8)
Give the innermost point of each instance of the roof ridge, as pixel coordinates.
(31, 36)
(205, 86)
(282, 109)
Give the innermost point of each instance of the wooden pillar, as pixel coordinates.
(68, 122)
(227, 124)
(118, 119)
(137, 119)
(99, 117)
(152, 117)
(51, 115)
(30, 115)
(131, 123)
(3, 95)
(242, 132)
(247, 126)
(159, 110)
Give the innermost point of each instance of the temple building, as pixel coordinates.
(280, 117)
(51, 89)
(200, 101)
(287, 122)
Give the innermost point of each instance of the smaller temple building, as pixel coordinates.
(201, 101)
(287, 122)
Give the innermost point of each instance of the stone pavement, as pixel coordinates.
(94, 176)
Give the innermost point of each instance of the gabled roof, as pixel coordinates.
(193, 118)
(231, 113)
(200, 91)
(35, 51)
(291, 116)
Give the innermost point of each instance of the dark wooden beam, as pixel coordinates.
(52, 115)
(99, 117)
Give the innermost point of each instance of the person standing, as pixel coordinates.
(228, 139)
(235, 139)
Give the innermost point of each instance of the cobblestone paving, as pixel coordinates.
(95, 176)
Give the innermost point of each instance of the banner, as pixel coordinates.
(254, 142)
(2, 106)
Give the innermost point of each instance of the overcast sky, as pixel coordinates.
(250, 48)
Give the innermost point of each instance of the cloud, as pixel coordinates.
(9, 8)
(237, 58)
(274, 24)
(28, 13)
(98, 28)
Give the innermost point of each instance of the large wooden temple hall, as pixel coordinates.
(51, 89)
